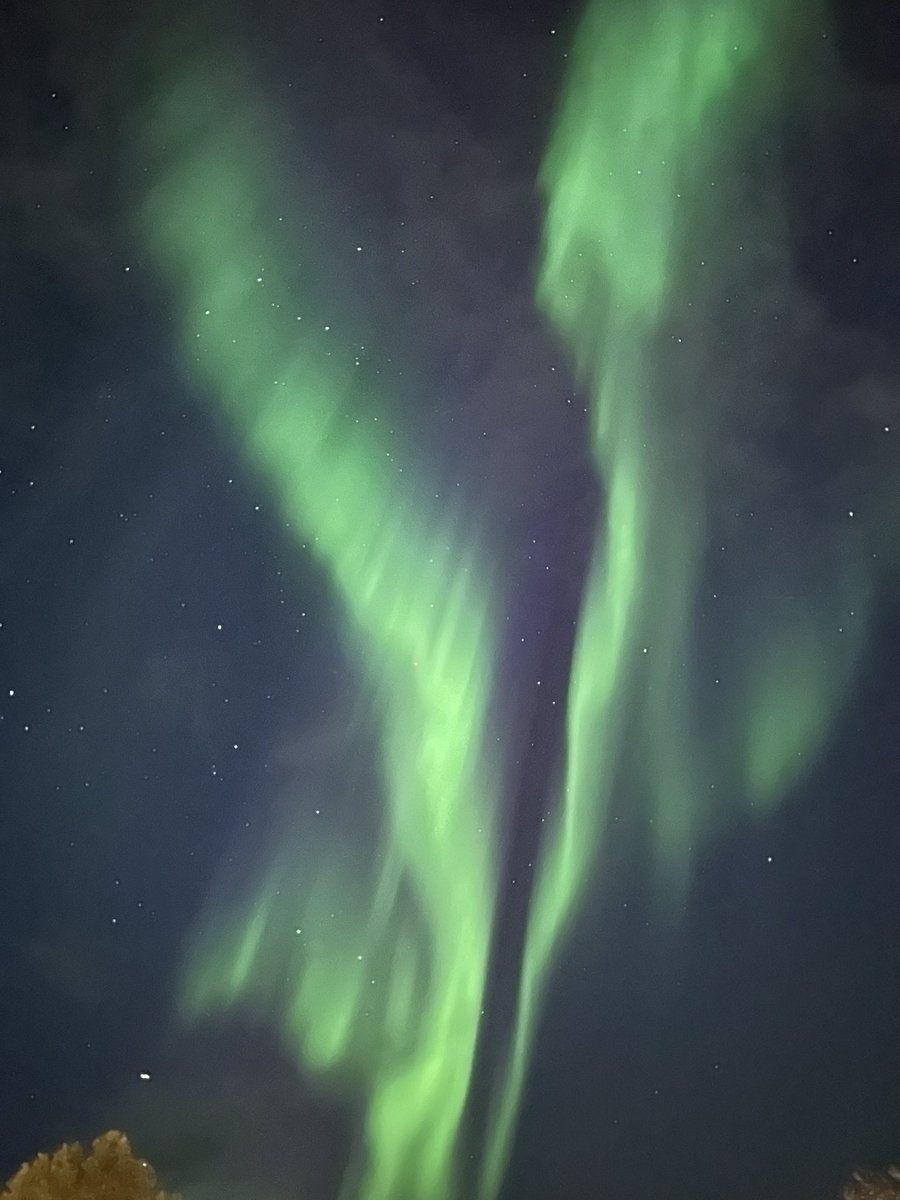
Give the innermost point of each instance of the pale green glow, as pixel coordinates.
(415, 912)
(795, 682)
(653, 92)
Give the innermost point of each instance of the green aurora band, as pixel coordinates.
(656, 89)
(389, 1000)
(414, 913)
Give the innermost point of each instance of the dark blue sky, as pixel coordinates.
(162, 641)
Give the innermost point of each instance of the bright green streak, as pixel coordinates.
(415, 913)
(653, 92)
(621, 178)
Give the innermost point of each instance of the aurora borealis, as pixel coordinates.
(418, 609)
(391, 993)
(575, 521)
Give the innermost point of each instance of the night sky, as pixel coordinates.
(450, 595)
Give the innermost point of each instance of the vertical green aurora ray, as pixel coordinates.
(411, 585)
(653, 91)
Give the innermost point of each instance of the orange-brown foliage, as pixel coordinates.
(109, 1172)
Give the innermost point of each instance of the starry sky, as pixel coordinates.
(399, 593)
